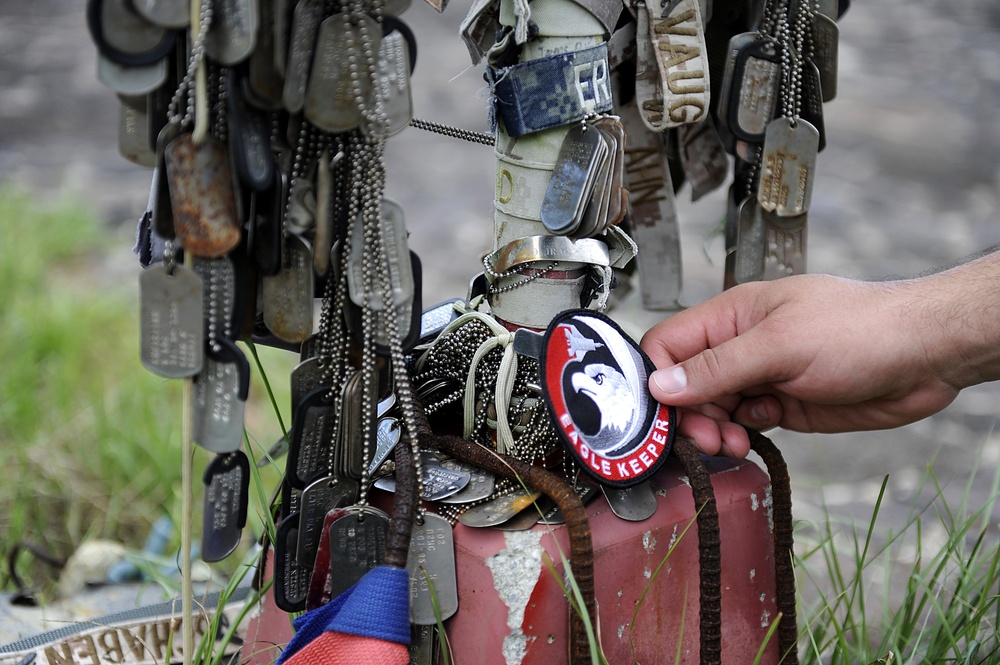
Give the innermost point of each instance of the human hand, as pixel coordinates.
(811, 353)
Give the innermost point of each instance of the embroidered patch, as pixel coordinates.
(594, 380)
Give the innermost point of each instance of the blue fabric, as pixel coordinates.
(552, 91)
(377, 606)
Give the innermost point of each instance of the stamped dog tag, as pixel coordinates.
(736, 44)
(319, 585)
(572, 182)
(172, 327)
(226, 479)
(318, 499)
(312, 435)
(387, 435)
(392, 80)
(232, 34)
(751, 243)
(201, 196)
(306, 19)
(127, 37)
(423, 645)
(812, 101)
(306, 377)
(249, 137)
(438, 482)
(288, 295)
(220, 393)
(291, 580)
(787, 167)
(133, 131)
(431, 565)
(595, 385)
(757, 81)
(331, 97)
(826, 37)
(786, 247)
(357, 544)
(633, 504)
(498, 510)
(481, 482)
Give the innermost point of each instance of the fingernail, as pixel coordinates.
(759, 413)
(670, 379)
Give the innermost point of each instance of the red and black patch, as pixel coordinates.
(595, 383)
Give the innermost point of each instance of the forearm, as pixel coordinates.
(955, 316)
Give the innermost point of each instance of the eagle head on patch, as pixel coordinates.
(610, 391)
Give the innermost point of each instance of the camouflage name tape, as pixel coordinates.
(552, 91)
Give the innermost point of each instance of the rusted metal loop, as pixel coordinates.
(397, 541)
(709, 551)
(577, 524)
(784, 571)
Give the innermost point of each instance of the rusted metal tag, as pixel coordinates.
(201, 196)
(288, 295)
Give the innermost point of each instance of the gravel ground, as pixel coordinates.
(909, 181)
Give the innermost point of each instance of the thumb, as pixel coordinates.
(710, 375)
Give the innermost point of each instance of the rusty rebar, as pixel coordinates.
(784, 571)
(397, 541)
(577, 524)
(709, 551)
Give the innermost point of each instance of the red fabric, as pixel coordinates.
(341, 649)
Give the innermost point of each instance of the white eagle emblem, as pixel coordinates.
(610, 391)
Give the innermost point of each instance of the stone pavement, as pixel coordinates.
(909, 181)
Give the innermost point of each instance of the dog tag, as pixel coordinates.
(423, 643)
(751, 243)
(163, 215)
(786, 247)
(812, 102)
(332, 97)
(319, 498)
(264, 85)
(288, 295)
(438, 482)
(387, 435)
(249, 138)
(431, 564)
(201, 196)
(291, 581)
(480, 486)
(226, 479)
(168, 13)
(572, 181)
(435, 319)
(528, 518)
(306, 377)
(757, 81)
(392, 79)
(220, 393)
(633, 504)
(357, 544)
(595, 215)
(499, 510)
(232, 34)
(133, 131)
(826, 37)
(736, 44)
(131, 81)
(306, 18)
(349, 447)
(319, 585)
(787, 167)
(397, 255)
(172, 327)
(312, 435)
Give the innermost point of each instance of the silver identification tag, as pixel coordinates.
(431, 564)
(788, 167)
(171, 325)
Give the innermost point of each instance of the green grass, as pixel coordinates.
(91, 440)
